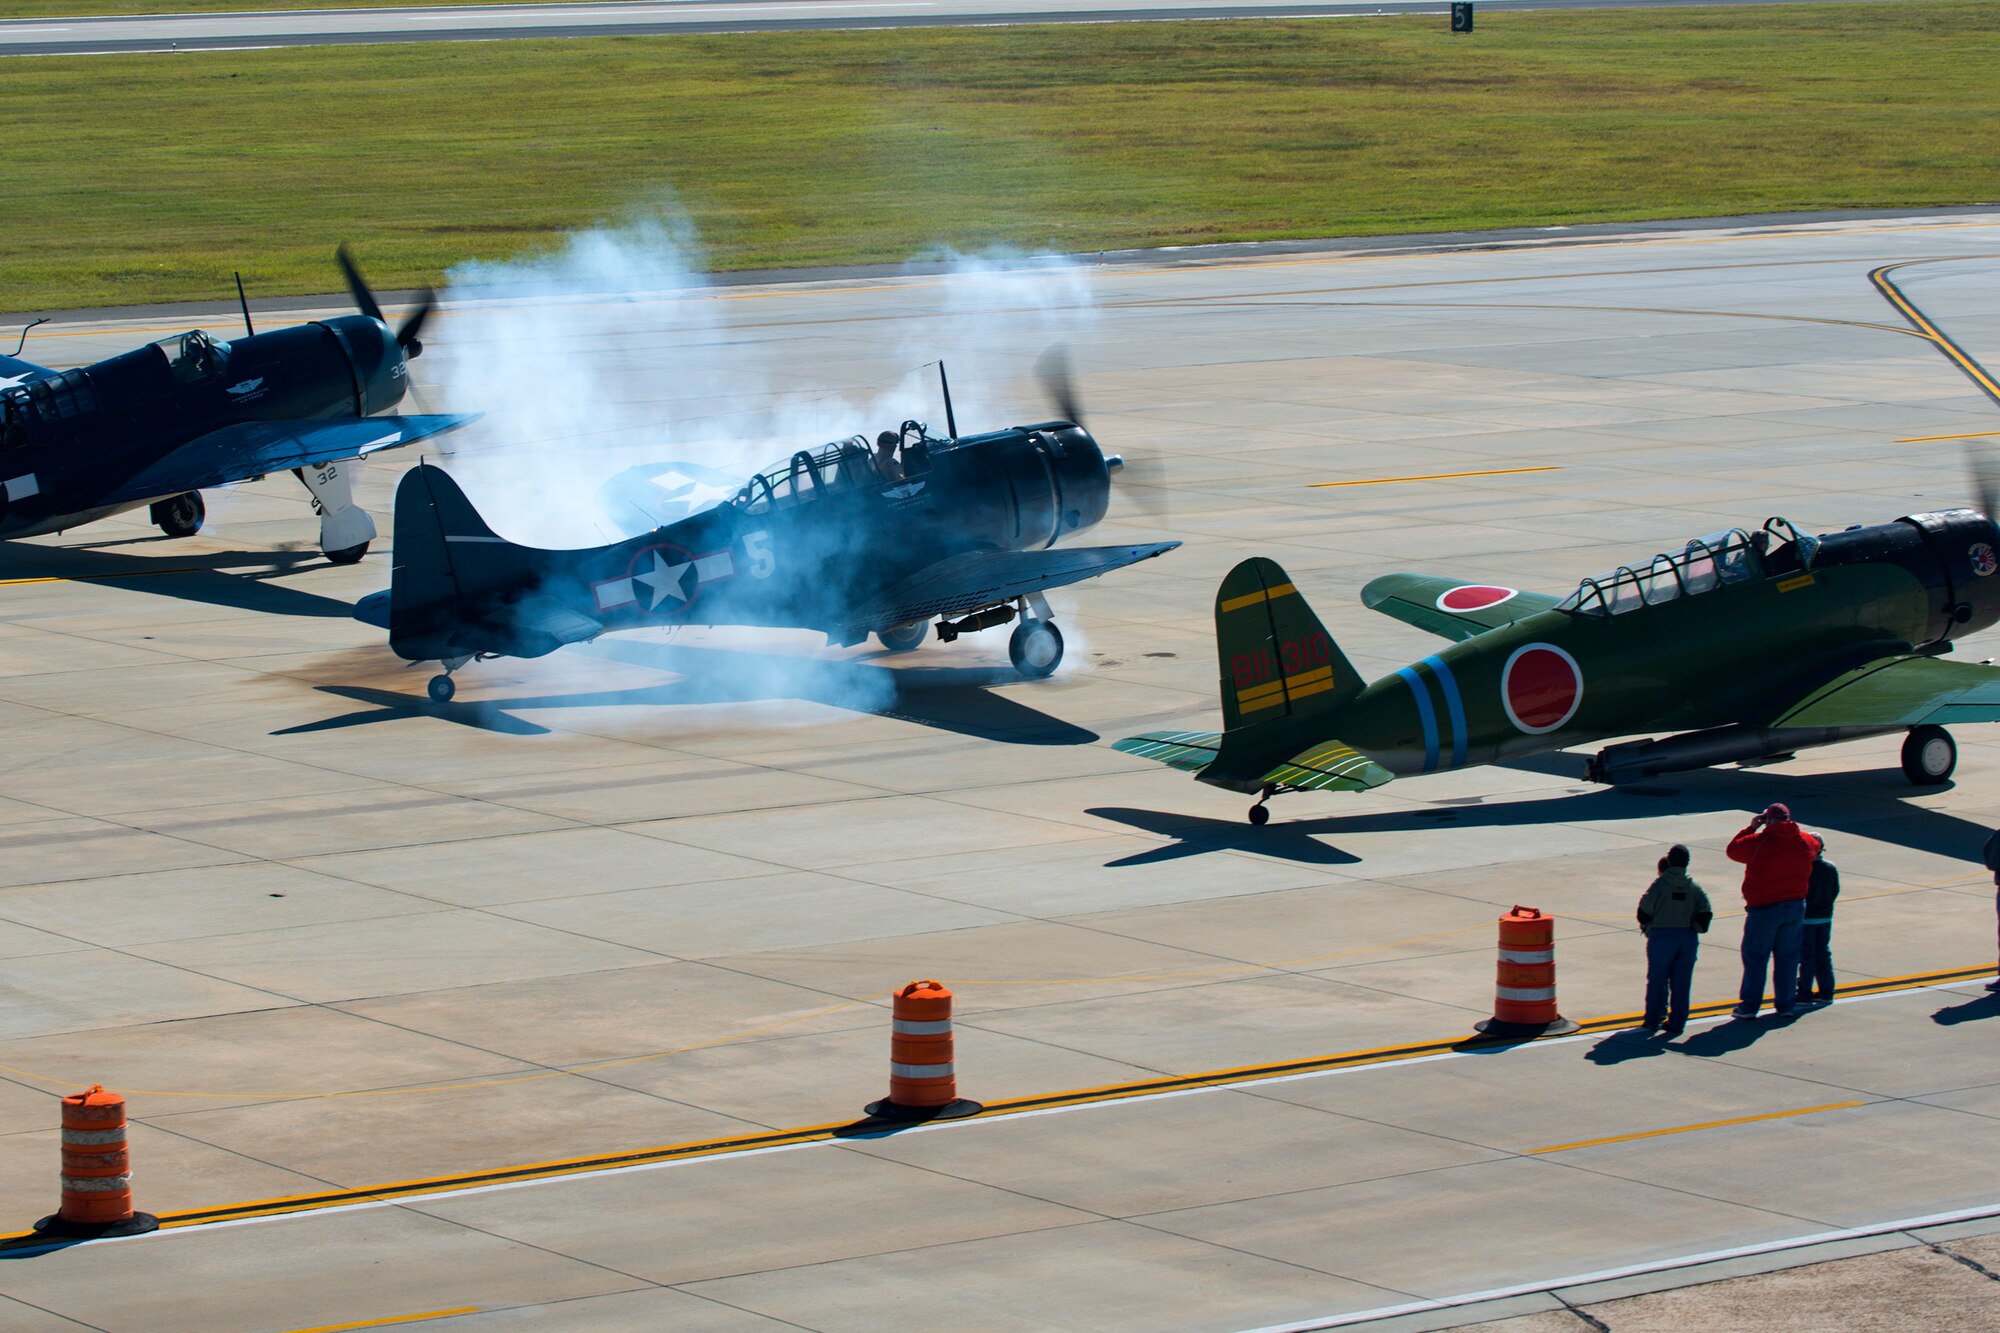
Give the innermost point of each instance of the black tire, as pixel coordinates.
(1260, 815)
(348, 555)
(905, 637)
(182, 516)
(1929, 755)
(442, 688)
(1036, 648)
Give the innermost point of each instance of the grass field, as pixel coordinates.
(149, 178)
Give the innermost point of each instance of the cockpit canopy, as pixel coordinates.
(194, 356)
(1703, 565)
(841, 466)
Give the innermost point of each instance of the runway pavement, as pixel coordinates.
(343, 945)
(486, 23)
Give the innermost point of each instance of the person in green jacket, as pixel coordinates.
(1673, 914)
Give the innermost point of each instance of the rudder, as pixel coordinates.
(1277, 659)
(434, 522)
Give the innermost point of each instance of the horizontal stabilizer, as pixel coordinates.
(1901, 692)
(1451, 608)
(1329, 766)
(257, 448)
(1189, 751)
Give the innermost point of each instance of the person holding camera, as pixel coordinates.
(1777, 857)
(1673, 915)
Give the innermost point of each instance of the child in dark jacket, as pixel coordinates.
(1816, 936)
(1673, 914)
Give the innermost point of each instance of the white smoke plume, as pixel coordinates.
(613, 352)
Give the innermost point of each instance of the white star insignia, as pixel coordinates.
(665, 580)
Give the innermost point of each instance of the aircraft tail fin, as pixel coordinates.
(446, 556)
(1277, 659)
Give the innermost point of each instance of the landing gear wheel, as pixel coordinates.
(1929, 755)
(181, 516)
(348, 555)
(1260, 814)
(1037, 648)
(442, 688)
(902, 638)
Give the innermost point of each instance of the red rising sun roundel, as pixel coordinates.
(1540, 687)
(1473, 597)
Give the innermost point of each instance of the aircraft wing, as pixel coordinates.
(1452, 608)
(254, 448)
(1330, 765)
(14, 371)
(972, 579)
(1900, 692)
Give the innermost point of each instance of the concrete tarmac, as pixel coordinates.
(340, 944)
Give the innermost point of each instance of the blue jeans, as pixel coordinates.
(1771, 948)
(1816, 962)
(1670, 952)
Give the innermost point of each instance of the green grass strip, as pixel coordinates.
(149, 178)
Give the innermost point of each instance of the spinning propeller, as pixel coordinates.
(364, 300)
(1984, 466)
(1143, 480)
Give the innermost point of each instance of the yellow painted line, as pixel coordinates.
(392, 1319)
(1431, 476)
(1958, 355)
(1690, 1129)
(1797, 581)
(577, 1166)
(95, 578)
(1929, 439)
(1253, 598)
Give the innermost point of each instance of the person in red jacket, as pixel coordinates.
(1777, 857)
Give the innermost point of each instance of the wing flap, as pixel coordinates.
(1901, 692)
(1189, 751)
(1451, 608)
(254, 448)
(1329, 766)
(975, 579)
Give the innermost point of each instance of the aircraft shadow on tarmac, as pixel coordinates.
(244, 580)
(952, 699)
(1864, 803)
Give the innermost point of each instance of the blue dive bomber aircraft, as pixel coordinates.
(964, 529)
(158, 425)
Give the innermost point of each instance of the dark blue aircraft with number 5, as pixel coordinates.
(837, 539)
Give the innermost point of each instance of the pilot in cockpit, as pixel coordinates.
(886, 463)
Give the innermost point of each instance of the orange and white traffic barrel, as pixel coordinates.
(96, 1171)
(923, 1075)
(1524, 995)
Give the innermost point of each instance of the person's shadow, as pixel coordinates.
(1982, 1006)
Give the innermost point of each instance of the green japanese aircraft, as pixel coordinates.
(1749, 646)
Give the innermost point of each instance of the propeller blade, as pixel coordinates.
(364, 299)
(406, 335)
(1984, 467)
(1142, 483)
(1053, 368)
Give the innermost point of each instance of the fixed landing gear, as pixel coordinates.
(348, 555)
(1260, 813)
(181, 516)
(905, 637)
(1929, 755)
(1036, 648)
(442, 687)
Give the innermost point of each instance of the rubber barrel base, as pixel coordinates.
(952, 1110)
(1495, 1027)
(138, 1224)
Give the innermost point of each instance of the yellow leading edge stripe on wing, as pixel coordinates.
(1254, 598)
